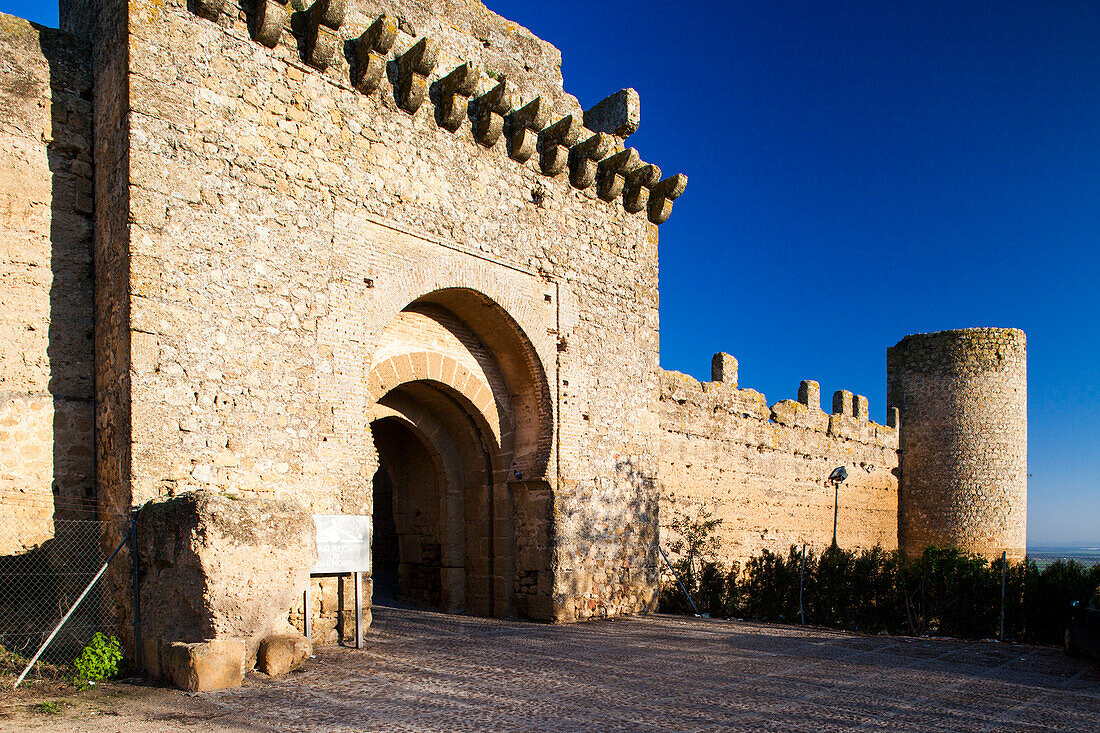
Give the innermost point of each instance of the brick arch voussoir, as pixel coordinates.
(434, 367)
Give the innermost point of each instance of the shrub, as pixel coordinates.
(944, 591)
(99, 660)
(695, 547)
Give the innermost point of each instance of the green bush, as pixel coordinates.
(943, 592)
(99, 660)
(695, 546)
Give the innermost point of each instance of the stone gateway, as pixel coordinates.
(370, 258)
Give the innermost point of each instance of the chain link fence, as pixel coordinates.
(47, 560)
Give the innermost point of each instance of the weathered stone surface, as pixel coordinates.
(963, 401)
(214, 567)
(214, 664)
(355, 254)
(46, 452)
(763, 471)
(282, 653)
(618, 114)
(723, 368)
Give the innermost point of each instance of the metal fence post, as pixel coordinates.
(801, 584)
(135, 569)
(1004, 578)
(677, 576)
(69, 613)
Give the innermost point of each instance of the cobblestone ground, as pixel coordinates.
(427, 671)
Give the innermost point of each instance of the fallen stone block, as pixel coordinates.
(283, 653)
(213, 567)
(206, 665)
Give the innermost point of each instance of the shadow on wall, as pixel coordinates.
(71, 320)
(620, 527)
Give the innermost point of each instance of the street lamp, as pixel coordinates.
(838, 476)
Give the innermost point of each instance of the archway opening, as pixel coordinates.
(461, 412)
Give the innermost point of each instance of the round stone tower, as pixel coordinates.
(962, 396)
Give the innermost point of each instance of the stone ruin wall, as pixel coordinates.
(46, 321)
(267, 214)
(963, 397)
(764, 470)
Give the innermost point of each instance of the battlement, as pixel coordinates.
(763, 470)
(485, 95)
(850, 418)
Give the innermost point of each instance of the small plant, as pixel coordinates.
(99, 660)
(48, 707)
(695, 540)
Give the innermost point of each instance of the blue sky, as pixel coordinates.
(860, 171)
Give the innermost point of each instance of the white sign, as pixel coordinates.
(343, 543)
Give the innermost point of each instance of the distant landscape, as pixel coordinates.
(1044, 555)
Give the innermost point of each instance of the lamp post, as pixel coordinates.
(838, 476)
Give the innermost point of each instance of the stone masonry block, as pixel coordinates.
(215, 664)
(723, 368)
(809, 394)
(861, 407)
(214, 567)
(618, 114)
(842, 402)
(282, 653)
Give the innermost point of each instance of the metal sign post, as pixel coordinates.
(343, 548)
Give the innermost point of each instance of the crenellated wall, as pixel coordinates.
(361, 252)
(764, 470)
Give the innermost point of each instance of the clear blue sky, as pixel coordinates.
(860, 171)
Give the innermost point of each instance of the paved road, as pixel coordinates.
(425, 671)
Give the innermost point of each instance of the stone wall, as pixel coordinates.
(764, 470)
(46, 454)
(963, 401)
(316, 227)
(280, 220)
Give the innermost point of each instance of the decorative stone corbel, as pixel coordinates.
(324, 20)
(584, 155)
(268, 22)
(555, 141)
(637, 185)
(370, 51)
(618, 114)
(455, 91)
(612, 171)
(414, 67)
(661, 196)
(491, 108)
(210, 9)
(524, 125)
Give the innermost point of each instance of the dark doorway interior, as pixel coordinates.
(407, 495)
(384, 557)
